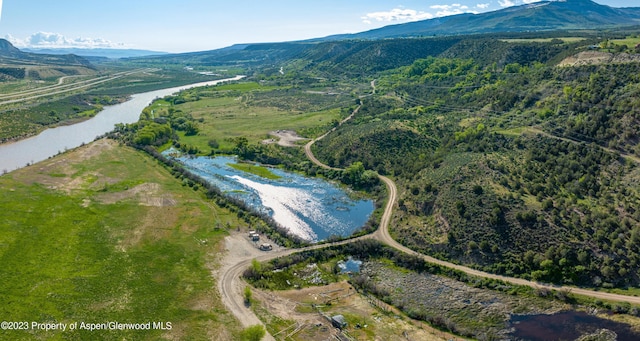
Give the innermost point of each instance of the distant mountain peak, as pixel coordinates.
(5, 45)
(8, 51)
(539, 16)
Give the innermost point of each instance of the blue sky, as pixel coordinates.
(196, 25)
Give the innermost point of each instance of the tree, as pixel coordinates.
(247, 295)
(253, 333)
(191, 129)
(353, 174)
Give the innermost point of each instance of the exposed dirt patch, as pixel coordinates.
(285, 138)
(368, 321)
(238, 246)
(147, 194)
(96, 148)
(153, 226)
(598, 57)
(57, 173)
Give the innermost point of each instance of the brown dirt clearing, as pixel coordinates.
(599, 57)
(375, 324)
(285, 138)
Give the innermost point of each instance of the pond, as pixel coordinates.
(310, 208)
(350, 266)
(566, 325)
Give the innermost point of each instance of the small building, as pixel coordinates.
(338, 321)
(266, 247)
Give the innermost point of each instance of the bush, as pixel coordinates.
(253, 333)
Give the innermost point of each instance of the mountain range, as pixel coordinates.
(539, 16)
(544, 16)
(535, 17)
(10, 55)
(101, 52)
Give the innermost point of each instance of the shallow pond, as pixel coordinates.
(350, 266)
(310, 208)
(566, 325)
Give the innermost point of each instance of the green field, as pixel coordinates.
(544, 40)
(105, 234)
(631, 42)
(250, 111)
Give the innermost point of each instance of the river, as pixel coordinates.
(52, 141)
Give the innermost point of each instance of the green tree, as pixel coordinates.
(353, 174)
(191, 129)
(247, 295)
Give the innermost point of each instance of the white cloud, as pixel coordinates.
(405, 15)
(530, 1)
(482, 6)
(56, 40)
(397, 14)
(445, 10)
(506, 3)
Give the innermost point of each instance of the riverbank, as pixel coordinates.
(67, 122)
(53, 141)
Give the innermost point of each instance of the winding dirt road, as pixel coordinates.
(231, 284)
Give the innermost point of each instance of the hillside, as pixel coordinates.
(11, 55)
(377, 50)
(539, 16)
(523, 169)
(16, 64)
(504, 161)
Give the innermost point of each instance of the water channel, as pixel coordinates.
(55, 140)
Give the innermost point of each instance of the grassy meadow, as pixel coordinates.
(103, 233)
(250, 110)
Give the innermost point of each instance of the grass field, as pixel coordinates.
(631, 42)
(104, 234)
(229, 117)
(544, 40)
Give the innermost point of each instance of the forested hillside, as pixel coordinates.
(508, 162)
